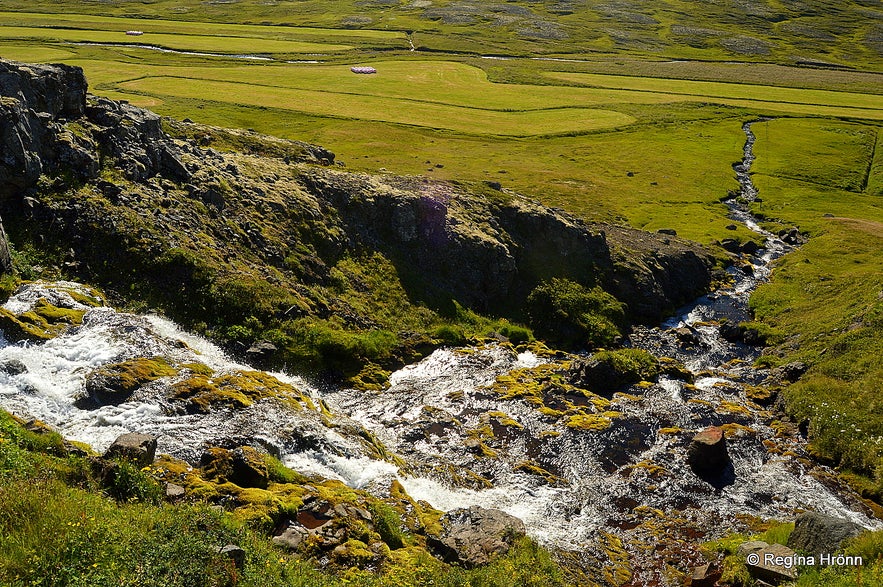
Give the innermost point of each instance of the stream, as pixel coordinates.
(466, 437)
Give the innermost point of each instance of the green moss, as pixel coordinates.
(238, 390)
(533, 468)
(41, 323)
(124, 378)
(370, 378)
(593, 422)
(572, 315)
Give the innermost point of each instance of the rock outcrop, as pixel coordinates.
(258, 231)
(140, 449)
(817, 534)
(475, 536)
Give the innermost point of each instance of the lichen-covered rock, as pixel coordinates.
(42, 322)
(475, 536)
(140, 449)
(115, 383)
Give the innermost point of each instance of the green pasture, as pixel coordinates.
(824, 302)
(812, 31)
(734, 91)
(180, 27)
(189, 42)
(396, 111)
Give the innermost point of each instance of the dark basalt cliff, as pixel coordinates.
(218, 226)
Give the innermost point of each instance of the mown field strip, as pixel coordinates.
(204, 43)
(109, 23)
(759, 93)
(31, 54)
(397, 111)
(458, 84)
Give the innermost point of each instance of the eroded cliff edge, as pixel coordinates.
(259, 241)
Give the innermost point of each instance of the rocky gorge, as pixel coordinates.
(623, 461)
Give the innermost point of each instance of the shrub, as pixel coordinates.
(571, 315)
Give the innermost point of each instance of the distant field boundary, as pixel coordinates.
(802, 101)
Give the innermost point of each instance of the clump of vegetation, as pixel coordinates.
(574, 316)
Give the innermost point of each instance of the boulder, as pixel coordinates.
(794, 370)
(686, 336)
(774, 563)
(249, 468)
(747, 548)
(174, 492)
(261, 353)
(731, 245)
(750, 247)
(13, 367)
(707, 454)
(817, 534)
(475, 536)
(243, 466)
(234, 553)
(140, 449)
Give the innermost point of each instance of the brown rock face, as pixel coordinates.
(138, 448)
(707, 454)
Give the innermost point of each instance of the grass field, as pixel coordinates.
(842, 33)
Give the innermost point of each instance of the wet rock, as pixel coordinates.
(261, 353)
(707, 454)
(604, 374)
(686, 336)
(772, 563)
(13, 367)
(475, 536)
(233, 553)
(740, 333)
(140, 449)
(750, 248)
(817, 534)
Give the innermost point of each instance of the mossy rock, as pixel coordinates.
(592, 422)
(532, 468)
(609, 371)
(675, 369)
(43, 322)
(115, 383)
(371, 378)
(240, 389)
